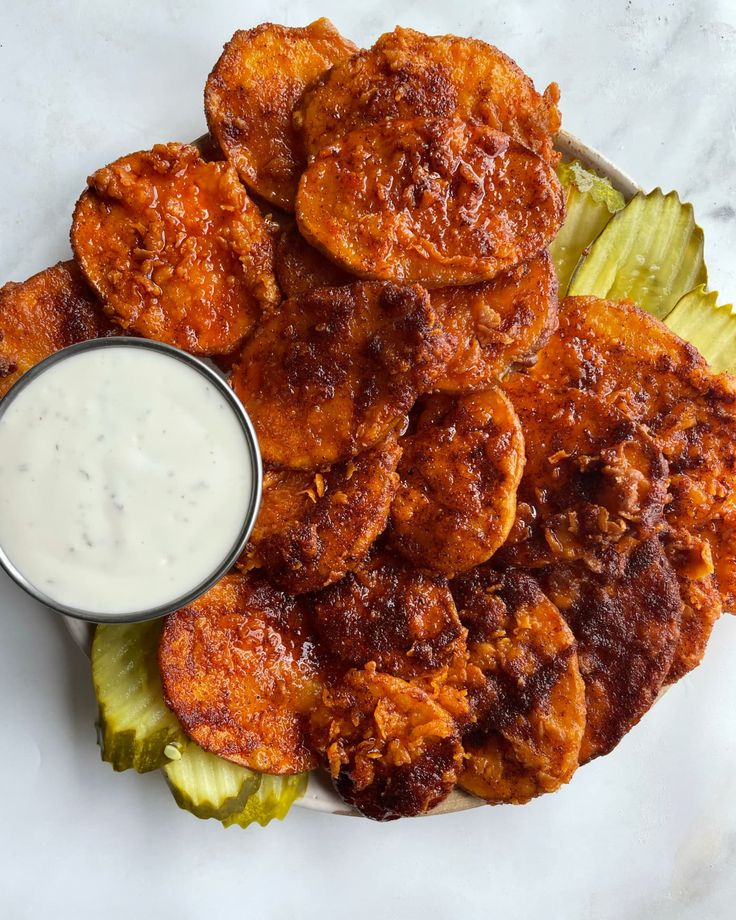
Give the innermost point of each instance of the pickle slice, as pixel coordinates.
(590, 203)
(651, 252)
(273, 799)
(711, 328)
(135, 723)
(208, 786)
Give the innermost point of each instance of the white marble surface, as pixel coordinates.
(649, 832)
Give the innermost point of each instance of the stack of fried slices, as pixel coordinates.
(493, 526)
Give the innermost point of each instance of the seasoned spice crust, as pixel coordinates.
(176, 249)
(433, 201)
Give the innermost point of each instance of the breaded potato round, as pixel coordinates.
(237, 672)
(497, 324)
(251, 93)
(392, 751)
(176, 249)
(526, 692)
(407, 74)
(459, 474)
(594, 483)
(44, 314)
(300, 268)
(433, 201)
(635, 362)
(692, 560)
(312, 528)
(627, 628)
(388, 613)
(333, 372)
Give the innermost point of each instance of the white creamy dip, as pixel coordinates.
(125, 480)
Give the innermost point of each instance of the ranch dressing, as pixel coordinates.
(125, 480)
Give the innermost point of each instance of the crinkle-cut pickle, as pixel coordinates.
(135, 723)
(709, 326)
(209, 787)
(590, 203)
(651, 252)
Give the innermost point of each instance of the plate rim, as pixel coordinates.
(319, 795)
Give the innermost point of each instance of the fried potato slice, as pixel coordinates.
(44, 314)
(435, 201)
(595, 482)
(237, 671)
(459, 473)
(176, 249)
(402, 620)
(392, 751)
(636, 363)
(692, 560)
(300, 268)
(497, 324)
(526, 692)
(251, 93)
(336, 370)
(627, 629)
(407, 74)
(312, 528)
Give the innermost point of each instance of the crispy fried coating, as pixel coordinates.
(595, 482)
(634, 362)
(692, 561)
(407, 74)
(526, 692)
(337, 369)
(459, 474)
(300, 268)
(176, 249)
(435, 201)
(497, 324)
(312, 528)
(251, 93)
(627, 628)
(237, 671)
(391, 749)
(44, 314)
(402, 620)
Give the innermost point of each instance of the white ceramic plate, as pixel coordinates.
(320, 795)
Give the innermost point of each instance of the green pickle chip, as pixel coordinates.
(651, 252)
(135, 724)
(211, 787)
(698, 318)
(590, 203)
(208, 786)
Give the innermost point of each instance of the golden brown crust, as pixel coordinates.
(433, 201)
(333, 372)
(497, 324)
(387, 613)
(636, 363)
(312, 528)
(44, 314)
(176, 249)
(627, 628)
(692, 560)
(250, 97)
(407, 74)
(300, 268)
(526, 692)
(392, 751)
(459, 474)
(595, 482)
(237, 671)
